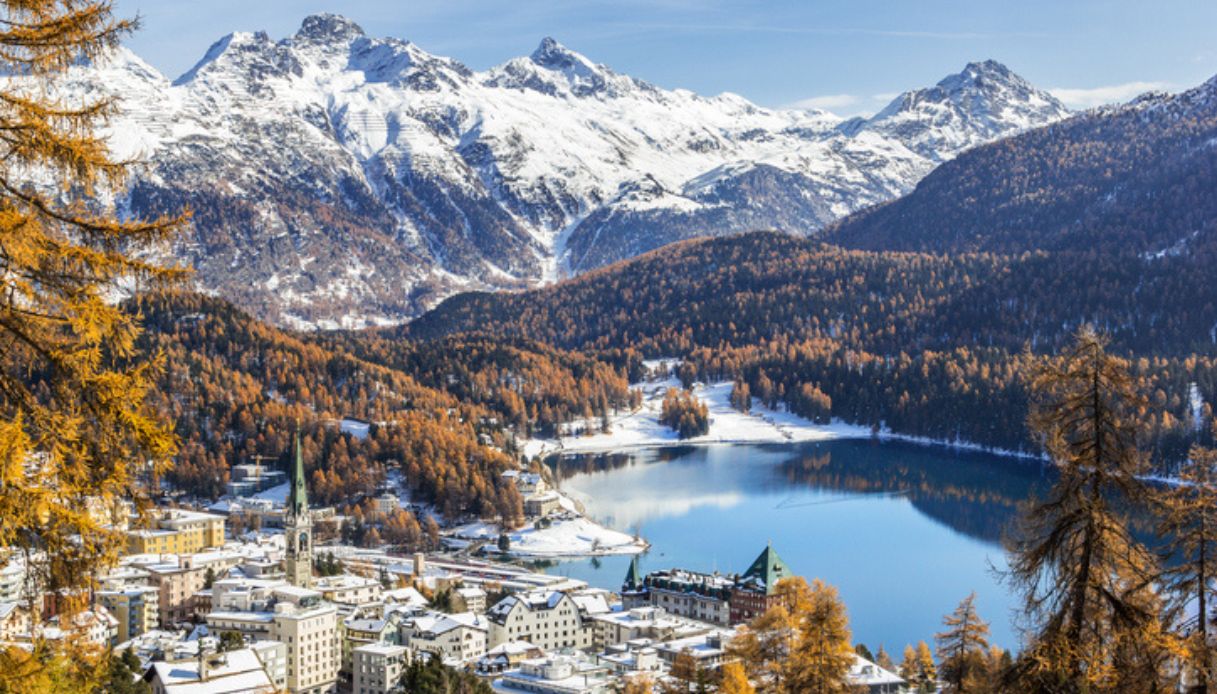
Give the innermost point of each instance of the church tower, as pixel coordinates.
(298, 525)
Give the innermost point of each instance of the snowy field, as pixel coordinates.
(568, 536)
(641, 428)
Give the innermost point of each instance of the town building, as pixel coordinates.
(651, 623)
(454, 638)
(526, 483)
(719, 599)
(348, 589)
(551, 620)
(865, 676)
(273, 656)
(251, 478)
(542, 504)
(12, 579)
(756, 590)
(707, 650)
(507, 656)
(309, 628)
(95, 626)
(558, 675)
(234, 671)
(469, 599)
(137, 609)
(177, 531)
(361, 630)
(378, 668)
(179, 579)
(15, 622)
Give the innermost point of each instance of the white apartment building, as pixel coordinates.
(12, 580)
(642, 623)
(310, 632)
(348, 589)
(558, 675)
(549, 620)
(273, 656)
(378, 667)
(455, 638)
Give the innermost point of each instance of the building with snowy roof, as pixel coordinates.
(454, 638)
(551, 620)
(722, 599)
(378, 668)
(216, 673)
(562, 674)
(868, 677)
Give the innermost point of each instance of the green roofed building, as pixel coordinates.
(715, 598)
(755, 590)
(767, 570)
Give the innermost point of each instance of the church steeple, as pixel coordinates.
(633, 582)
(297, 495)
(298, 524)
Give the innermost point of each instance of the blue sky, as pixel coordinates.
(848, 56)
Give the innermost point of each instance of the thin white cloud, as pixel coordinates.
(1110, 94)
(827, 101)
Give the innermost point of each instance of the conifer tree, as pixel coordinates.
(908, 665)
(883, 660)
(74, 426)
(926, 674)
(1190, 523)
(735, 680)
(822, 656)
(962, 648)
(1086, 581)
(762, 646)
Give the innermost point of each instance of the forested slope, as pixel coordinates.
(235, 387)
(930, 345)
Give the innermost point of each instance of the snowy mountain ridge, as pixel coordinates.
(340, 180)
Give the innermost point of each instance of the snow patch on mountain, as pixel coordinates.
(403, 177)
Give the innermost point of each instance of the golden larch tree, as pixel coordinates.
(1087, 583)
(75, 430)
(963, 648)
(822, 656)
(734, 680)
(1190, 524)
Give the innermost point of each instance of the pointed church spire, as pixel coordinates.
(297, 495)
(633, 581)
(297, 524)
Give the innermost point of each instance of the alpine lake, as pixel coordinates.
(904, 531)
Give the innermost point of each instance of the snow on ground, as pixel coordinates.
(569, 535)
(276, 494)
(641, 428)
(355, 428)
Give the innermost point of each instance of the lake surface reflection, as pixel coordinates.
(904, 531)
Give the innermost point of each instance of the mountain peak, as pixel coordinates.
(555, 69)
(328, 28)
(985, 75)
(984, 101)
(553, 55)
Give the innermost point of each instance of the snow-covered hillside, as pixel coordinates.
(341, 180)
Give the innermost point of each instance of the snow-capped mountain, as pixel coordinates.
(340, 180)
(981, 104)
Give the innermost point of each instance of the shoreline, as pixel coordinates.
(641, 430)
